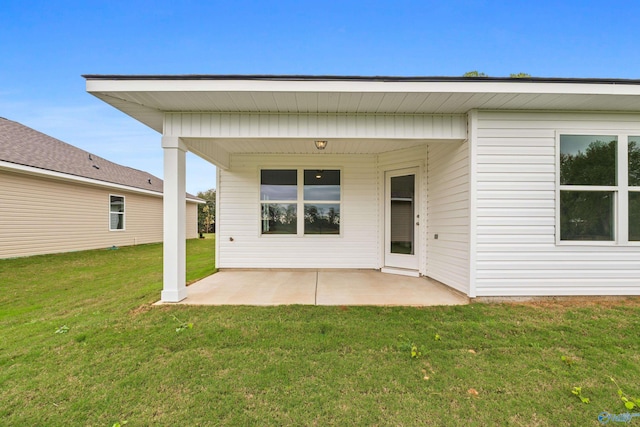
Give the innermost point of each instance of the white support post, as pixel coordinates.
(174, 219)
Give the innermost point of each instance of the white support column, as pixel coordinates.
(472, 141)
(174, 200)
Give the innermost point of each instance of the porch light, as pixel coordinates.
(319, 175)
(320, 145)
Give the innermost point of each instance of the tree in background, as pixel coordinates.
(207, 211)
(481, 74)
(474, 74)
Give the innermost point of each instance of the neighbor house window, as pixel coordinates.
(282, 198)
(599, 185)
(116, 213)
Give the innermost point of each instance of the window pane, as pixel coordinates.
(116, 221)
(402, 214)
(279, 218)
(634, 161)
(634, 216)
(278, 185)
(588, 160)
(586, 215)
(322, 185)
(322, 218)
(117, 204)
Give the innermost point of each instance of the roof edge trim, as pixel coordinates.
(390, 79)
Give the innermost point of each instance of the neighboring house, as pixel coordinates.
(493, 186)
(55, 197)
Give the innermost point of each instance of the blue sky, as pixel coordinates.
(47, 45)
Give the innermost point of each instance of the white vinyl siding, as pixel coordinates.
(448, 214)
(329, 125)
(238, 228)
(33, 220)
(517, 254)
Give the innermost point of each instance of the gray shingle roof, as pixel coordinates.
(23, 145)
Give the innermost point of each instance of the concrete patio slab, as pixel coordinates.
(376, 288)
(319, 287)
(255, 287)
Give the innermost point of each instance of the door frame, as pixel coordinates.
(401, 263)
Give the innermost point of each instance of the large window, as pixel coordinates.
(599, 186)
(281, 199)
(634, 188)
(116, 213)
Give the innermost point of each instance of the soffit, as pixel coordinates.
(148, 99)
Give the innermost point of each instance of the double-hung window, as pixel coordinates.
(599, 188)
(278, 201)
(116, 213)
(287, 193)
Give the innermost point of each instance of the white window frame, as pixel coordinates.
(620, 191)
(629, 188)
(123, 213)
(300, 202)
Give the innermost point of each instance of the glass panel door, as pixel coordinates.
(401, 219)
(402, 213)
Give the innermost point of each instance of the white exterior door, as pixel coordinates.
(402, 219)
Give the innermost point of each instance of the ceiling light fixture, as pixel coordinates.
(321, 144)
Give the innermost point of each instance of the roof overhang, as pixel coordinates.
(147, 98)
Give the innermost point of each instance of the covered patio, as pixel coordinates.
(314, 173)
(319, 287)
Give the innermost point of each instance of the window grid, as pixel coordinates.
(315, 210)
(116, 213)
(624, 211)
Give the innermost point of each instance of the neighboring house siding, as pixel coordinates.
(239, 199)
(448, 214)
(41, 215)
(516, 247)
(192, 220)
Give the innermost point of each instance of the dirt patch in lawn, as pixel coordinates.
(573, 302)
(565, 301)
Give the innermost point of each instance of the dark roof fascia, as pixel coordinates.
(269, 77)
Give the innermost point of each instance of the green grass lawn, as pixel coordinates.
(116, 357)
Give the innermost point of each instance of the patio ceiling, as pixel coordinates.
(299, 146)
(147, 98)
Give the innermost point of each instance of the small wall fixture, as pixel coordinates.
(320, 145)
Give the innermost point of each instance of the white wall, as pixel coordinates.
(516, 248)
(329, 125)
(448, 214)
(239, 216)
